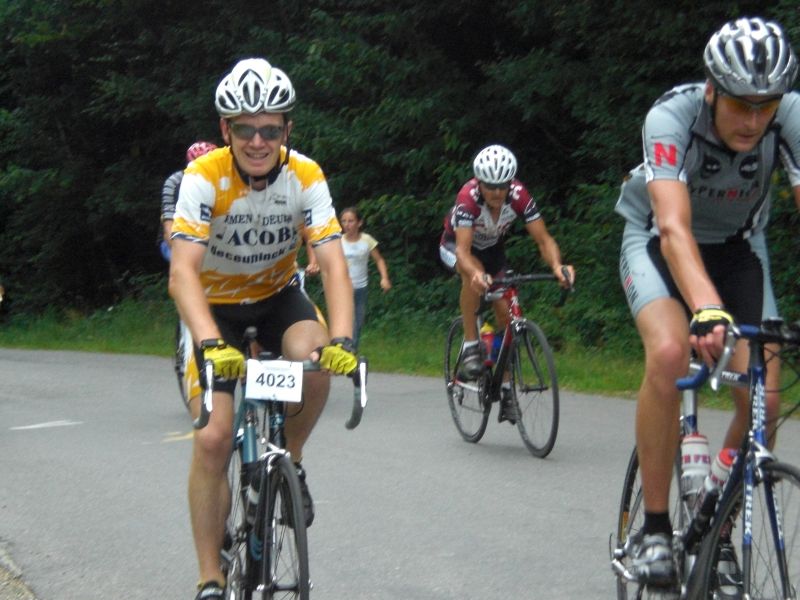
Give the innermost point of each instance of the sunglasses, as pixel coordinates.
(248, 132)
(745, 107)
(496, 186)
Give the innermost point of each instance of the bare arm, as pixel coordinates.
(337, 287)
(166, 228)
(312, 268)
(386, 283)
(672, 207)
(467, 264)
(549, 250)
(187, 291)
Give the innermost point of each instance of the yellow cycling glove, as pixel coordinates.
(338, 357)
(708, 317)
(228, 361)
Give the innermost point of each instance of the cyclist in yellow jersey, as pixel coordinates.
(241, 215)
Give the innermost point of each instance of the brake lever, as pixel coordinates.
(731, 335)
(359, 377)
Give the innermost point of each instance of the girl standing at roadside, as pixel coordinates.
(358, 247)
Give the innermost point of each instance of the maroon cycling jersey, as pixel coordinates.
(470, 210)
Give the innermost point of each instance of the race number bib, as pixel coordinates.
(280, 380)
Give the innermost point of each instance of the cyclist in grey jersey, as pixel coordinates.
(729, 191)
(169, 194)
(694, 244)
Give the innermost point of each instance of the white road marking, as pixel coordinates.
(46, 425)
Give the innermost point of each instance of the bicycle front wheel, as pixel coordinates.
(774, 570)
(284, 570)
(535, 386)
(468, 401)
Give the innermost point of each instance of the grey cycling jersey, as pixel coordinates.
(169, 195)
(729, 191)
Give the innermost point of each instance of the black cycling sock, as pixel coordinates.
(657, 523)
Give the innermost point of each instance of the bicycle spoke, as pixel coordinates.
(630, 521)
(284, 536)
(236, 563)
(774, 569)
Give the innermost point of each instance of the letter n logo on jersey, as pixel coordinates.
(670, 154)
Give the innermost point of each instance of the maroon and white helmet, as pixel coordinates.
(254, 86)
(198, 149)
(750, 57)
(495, 165)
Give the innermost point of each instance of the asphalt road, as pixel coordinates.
(94, 451)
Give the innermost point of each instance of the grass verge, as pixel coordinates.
(412, 346)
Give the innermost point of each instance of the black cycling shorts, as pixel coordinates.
(271, 317)
(739, 270)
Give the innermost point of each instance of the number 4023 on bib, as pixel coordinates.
(280, 380)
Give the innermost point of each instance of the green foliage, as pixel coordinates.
(100, 98)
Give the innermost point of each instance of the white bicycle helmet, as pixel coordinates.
(252, 87)
(750, 57)
(495, 165)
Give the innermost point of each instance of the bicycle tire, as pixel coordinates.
(237, 562)
(468, 401)
(631, 518)
(535, 385)
(283, 571)
(766, 579)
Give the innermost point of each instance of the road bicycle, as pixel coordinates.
(265, 554)
(720, 550)
(524, 355)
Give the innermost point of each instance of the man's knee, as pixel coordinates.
(212, 446)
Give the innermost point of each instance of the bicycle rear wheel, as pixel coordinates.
(535, 387)
(773, 573)
(284, 569)
(237, 563)
(631, 520)
(469, 405)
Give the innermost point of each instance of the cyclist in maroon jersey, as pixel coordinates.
(472, 244)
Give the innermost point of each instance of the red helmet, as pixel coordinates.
(198, 149)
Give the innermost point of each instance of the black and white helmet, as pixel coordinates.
(495, 165)
(254, 86)
(750, 57)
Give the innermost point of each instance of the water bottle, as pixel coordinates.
(695, 466)
(487, 338)
(496, 345)
(707, 500)
(719, 472)
(253, 492)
